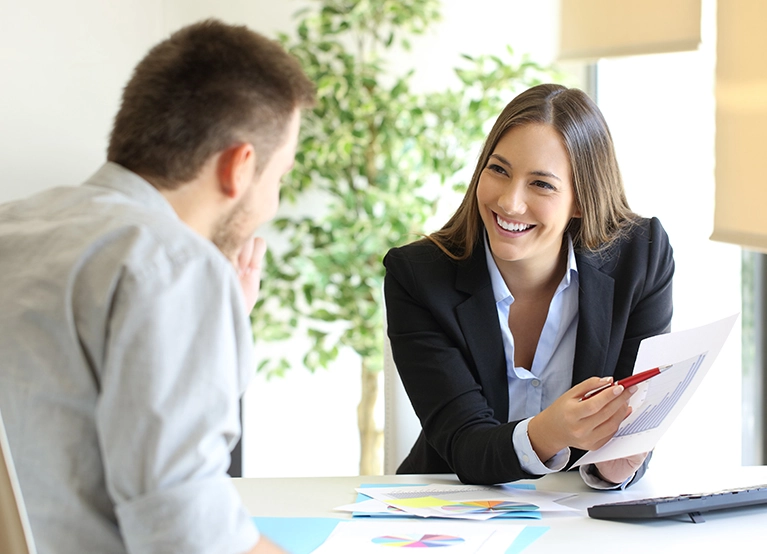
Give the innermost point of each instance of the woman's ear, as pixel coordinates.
(236, 169)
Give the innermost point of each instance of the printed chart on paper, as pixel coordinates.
(663, 392)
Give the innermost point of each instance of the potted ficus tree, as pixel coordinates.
(375, 156)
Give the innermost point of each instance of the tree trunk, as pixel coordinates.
(371, 438)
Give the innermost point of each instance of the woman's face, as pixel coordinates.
(525, 196)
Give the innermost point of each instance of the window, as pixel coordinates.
(660, 109)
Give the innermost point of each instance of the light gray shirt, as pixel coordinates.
(124, 349)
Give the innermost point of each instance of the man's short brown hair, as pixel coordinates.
(206, 87)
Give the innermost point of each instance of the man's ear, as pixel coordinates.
(236, 168)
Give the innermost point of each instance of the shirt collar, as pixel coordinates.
(115, 177)
(501, 291)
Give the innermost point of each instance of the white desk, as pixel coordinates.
(569, 532)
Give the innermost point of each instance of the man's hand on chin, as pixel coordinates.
(248, 265)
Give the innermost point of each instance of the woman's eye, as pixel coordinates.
(543, 185)
(495, 168)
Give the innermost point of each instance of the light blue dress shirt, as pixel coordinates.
(531, 390)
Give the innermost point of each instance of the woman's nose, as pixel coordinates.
(512, 200)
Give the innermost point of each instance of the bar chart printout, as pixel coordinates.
(663, 392)
(689, 355)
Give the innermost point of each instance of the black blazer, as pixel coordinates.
(447, 345)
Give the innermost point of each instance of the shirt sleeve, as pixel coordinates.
(529, 460)
(178, 354)
(592, 478)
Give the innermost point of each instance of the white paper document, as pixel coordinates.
(659, 400)
(457, 537)
(463, 501)
(376, 508)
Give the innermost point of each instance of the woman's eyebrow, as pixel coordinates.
(544, 174)
(501, 159)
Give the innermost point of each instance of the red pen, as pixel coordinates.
(630, 380)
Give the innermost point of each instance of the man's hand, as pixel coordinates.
(617, 471)
(248, 266)
(585, 424)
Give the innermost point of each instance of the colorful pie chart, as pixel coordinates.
(426, 541)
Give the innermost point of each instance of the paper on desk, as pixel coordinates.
(282, 531)
(459, 537)
(375, 508)
(465, 501)
(660, 399)
(371, 507)
(365, 506)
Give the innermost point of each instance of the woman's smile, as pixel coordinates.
(513, 227)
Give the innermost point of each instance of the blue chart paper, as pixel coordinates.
(297, 535)
(528, 536)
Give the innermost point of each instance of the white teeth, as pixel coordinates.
(512, 226)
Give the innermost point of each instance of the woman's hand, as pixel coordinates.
(585, 424)
(248, 266)
(617, 471)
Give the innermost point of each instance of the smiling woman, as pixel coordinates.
(538, 289)
(525, 206)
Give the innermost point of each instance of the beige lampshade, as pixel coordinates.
(592, 29)
(740, 213)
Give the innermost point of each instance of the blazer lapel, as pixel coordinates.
(478, 320)
(595, 310)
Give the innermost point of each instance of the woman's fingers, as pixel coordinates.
(574, 422)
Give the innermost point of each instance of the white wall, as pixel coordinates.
(62, 65)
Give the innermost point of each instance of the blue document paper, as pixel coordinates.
(297, 535)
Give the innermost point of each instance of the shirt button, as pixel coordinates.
(525, 458)
(535, 383)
